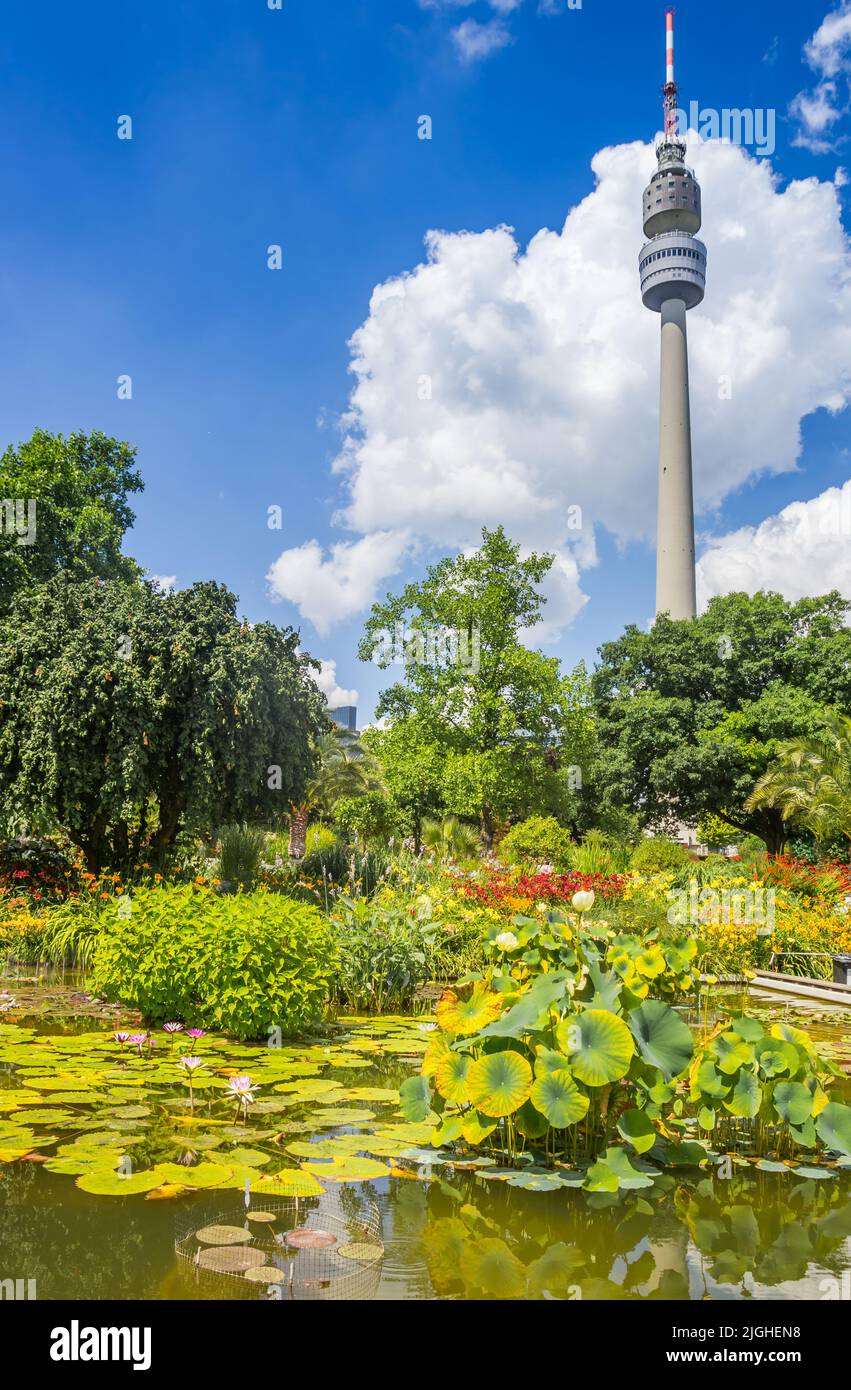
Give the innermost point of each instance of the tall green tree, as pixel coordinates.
(499, 711)
(129, 716)
(75, 491)
(691, 713)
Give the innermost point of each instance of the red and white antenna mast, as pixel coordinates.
(670, 87)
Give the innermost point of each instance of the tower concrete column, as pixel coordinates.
(675, 582)
(672, 266)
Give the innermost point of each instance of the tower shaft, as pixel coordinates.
(675, 583)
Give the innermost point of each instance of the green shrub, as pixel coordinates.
(659, 855)
(240, 851)
(598, 854)
(538, 840)
(371, 816)
(246, 963)
(318, 837)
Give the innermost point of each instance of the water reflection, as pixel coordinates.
(754, 1235)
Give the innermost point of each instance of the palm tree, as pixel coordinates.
(344, 768)
(450, 838)
(809, 781)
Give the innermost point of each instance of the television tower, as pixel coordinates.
(673, 280)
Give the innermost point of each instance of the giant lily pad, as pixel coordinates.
(466, 1016)
(108, 1183)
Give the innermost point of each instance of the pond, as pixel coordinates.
(318, 1189)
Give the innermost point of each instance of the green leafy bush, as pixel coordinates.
(245, 963)
(538, 840)
(39, 869)
(658, 855)
(371, 816)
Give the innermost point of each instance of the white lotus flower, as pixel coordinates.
(507, 941)
(583, 902)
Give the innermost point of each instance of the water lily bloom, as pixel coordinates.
(583, 902)
(196, 1033)
(172, 1027)
(507, 941)
(242, 1090)
(122, 1037)
(192, 1063)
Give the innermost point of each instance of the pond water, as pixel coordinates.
(369, 1217)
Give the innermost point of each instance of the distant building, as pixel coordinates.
(346, 717)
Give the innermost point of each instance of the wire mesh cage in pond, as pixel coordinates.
(286, 1248)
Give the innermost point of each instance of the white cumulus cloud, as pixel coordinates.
(474, 40)
(335, 694)
(803, 551)
(828, 53)
(496, 384)
(329, 589)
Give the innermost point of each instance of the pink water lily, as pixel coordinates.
(122, 1037)
(192, 1063)
(172, 1027)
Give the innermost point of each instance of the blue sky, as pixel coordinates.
(298, 127)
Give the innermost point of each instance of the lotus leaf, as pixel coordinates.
(664, 1039)
(746, 1097)
(834, 1127)
(793, 1102)
(614, 1171)
(557, 1096)
(451, 1078)
(499, 1083)
(467, 1016)
(638, 1130)
(599, 1045)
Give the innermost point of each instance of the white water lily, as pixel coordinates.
(583, 902)
(507, 941)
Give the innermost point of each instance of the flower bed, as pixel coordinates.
(514, 892)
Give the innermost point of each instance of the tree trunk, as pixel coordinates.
(298, 831)
(488, 828)
(775, 833)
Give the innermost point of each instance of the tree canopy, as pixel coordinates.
(692, 712)
(130, 716)
(79, 486)
(490, 717)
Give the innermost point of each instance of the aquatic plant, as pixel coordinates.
(570, 1048)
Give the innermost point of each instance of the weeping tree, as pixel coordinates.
(129, 717)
